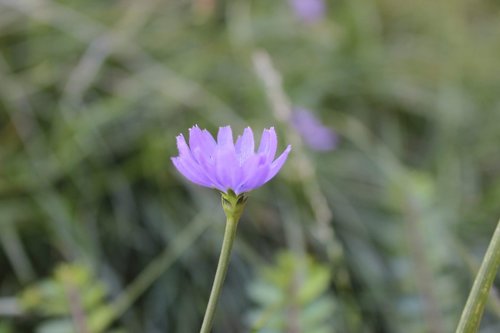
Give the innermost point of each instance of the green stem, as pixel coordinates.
(220, 274)
(473, 310)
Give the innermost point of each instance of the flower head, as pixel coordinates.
(227, 166)
(316, 135)
(308, 10)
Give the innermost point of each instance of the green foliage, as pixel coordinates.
(72, 291)
(92, 94)
(5, 328)
(292, 295)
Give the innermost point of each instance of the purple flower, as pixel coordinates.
(227, 166)
(313, 132)
(308, 10)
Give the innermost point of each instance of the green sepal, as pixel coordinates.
(233, 204)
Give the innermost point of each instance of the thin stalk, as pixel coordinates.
(220, 274)
(473, 310)
(15, 252)
(151, 273)
(160, 264)
(76, 309)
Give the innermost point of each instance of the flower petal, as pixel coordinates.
(228, 170)
(183, 147)
(268, 144)
(189, 171)
(237, 145)
(246, 145)
(249, 169)
(257, 180)
(225, 137)
(278, 163)
(207, 164)
(201, 139)
(186, 155)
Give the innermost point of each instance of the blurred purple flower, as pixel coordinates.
(313, 132)
(227, 166)
(309, 10)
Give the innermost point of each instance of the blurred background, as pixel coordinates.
(377, 223)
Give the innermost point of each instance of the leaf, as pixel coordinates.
(316, 283)
(56, 326)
